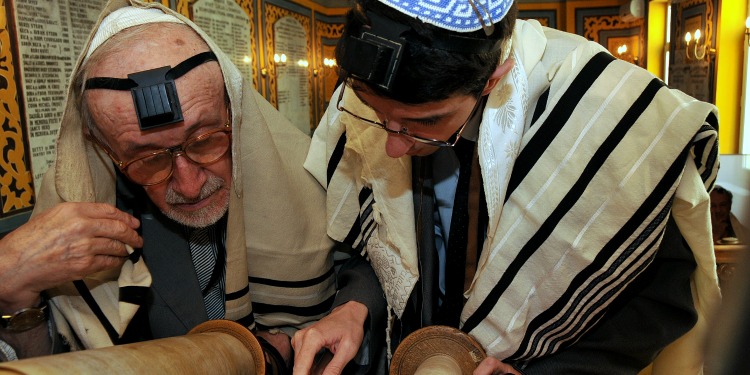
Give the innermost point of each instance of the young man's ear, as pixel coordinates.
(497, 75)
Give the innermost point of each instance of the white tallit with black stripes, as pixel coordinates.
(577, 200)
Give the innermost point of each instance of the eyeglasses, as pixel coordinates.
(404, 131)
(158, 166)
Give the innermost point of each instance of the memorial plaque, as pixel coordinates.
(293, 86)
(229, 26)
(51, 36)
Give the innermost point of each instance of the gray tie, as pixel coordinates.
(204, 250)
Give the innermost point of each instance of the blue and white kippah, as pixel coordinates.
(454, 15)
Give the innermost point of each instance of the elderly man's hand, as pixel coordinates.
(62, 244)
(341, 332)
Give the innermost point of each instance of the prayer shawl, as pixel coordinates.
(275, 218)
(578, 195)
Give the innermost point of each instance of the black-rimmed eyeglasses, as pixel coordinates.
(404, 131)
(158, 166)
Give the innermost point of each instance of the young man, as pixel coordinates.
(523, 185)
(173, 201)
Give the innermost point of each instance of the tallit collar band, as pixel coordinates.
(154, 92)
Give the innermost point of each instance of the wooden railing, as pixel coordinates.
(727, 258)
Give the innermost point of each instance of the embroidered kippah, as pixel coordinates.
(454, 15)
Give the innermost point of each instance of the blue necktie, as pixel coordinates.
(455, 268)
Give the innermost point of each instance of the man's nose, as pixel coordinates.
(187, 177)
(397, 145)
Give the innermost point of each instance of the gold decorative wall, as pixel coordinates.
(692, 67)
(549, 14)
(247, 6)
(326, 76)
(600, 21)
(628, 44)
(183, 7)
(597, 20)
(16, 186)
(694, 15)
(273, 13)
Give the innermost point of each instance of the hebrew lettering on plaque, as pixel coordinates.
(293, 85)
(51, 36)
(229, 26)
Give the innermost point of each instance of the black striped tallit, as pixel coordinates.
(627, 253)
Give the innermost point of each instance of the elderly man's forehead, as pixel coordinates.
(137, 49)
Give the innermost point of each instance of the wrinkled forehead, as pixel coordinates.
(136, 49)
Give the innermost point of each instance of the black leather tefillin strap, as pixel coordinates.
(375, 51)
(154, 92)
(275, 364)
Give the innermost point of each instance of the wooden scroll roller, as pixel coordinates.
(212, 347)
(437, 350)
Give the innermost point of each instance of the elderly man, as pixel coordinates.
(178, 195)
(521, 184)
(725, 226)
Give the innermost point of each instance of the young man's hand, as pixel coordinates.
(281, 342)
(341, 332)
(493, 366)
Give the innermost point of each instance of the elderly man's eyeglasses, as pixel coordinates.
(158, 166)
(404, 131)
